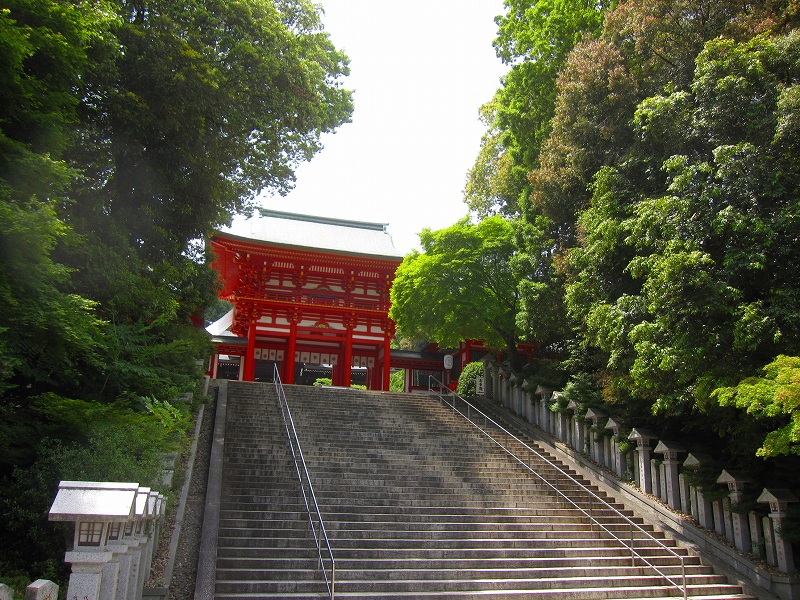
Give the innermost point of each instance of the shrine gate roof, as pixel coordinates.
(308, 232)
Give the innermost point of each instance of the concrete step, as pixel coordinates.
(418, 504)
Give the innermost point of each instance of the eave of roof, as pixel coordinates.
(307, 232)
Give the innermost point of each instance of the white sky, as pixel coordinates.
(420, 71)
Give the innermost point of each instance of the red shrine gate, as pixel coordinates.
(297, 306)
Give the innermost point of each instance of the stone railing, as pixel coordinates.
(662, 469)
(116, 527)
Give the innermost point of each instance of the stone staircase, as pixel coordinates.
(417, 503)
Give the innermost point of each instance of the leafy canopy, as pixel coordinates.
(461, 286)
(775, 396)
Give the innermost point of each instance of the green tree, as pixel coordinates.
(773, 397)
(49, 337)
(461, 286)
(534, 39)
(687, 289)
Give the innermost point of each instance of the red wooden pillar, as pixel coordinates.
(347, 367)
(387, 362)
(288, 376)
(214, 367)
(250, 357)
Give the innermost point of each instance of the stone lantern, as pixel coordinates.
(643, 437)
(100, 511)
(670, 488)
(740, 528)
(778, 500)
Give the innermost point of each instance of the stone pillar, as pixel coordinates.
(141, 542)
(543, 418)
(120, 546)
(530, 407)
(719, 520)
(779, 500)
(740, 529)
(87, 573)
(655, 477)
(756, 534)
(560, 419)
(671, 493)
(643, 438)
(597, 446)
(701, 508)
(577, 428)
(514, 390)
(617, 459)
(769, 541)
(685, 495)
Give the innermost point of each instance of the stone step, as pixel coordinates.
(418, 504)
(411, 583)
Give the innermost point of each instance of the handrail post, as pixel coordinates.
(633, 555)
(683, 572)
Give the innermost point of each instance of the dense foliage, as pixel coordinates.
(646, 155)
(461, 286)
(128, 131)
(652, 192)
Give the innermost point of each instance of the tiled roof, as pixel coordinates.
(322, 233)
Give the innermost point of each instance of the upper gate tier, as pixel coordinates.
(284, 258)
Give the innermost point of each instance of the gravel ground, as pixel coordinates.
(185, 569)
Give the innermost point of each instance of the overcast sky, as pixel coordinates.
(420, 71)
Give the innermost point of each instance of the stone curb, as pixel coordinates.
(207, 561)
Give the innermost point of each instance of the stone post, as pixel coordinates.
(719, 518)
(740, 530)
(41, 589)
(618, 460)
(543, 418)
(756, 534)
(139, 547)
(6, 592)
(779, 500)
(531, 407)
(643, 438)
(596, 447)
(769, 541)
(655, 477)
(151, 526)
(97, 509)
(671, 492)
(578, 428)
(701, 508)
(561, 420)
(685, 494)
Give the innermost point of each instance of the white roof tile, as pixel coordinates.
(309, 232)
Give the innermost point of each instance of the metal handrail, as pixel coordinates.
(309, 499)
(470, 408)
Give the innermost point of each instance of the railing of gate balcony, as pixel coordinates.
(504, 438)
(326, 562)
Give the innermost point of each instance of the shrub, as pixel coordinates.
(468, 381)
